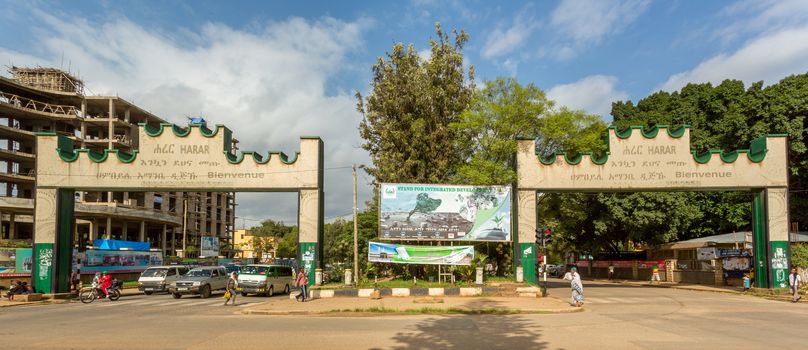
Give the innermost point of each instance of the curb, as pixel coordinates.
(681, 287)
(402, 292)
(442, 311)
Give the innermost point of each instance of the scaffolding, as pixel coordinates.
(48, 79)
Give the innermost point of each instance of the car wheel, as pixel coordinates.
(176, 295)
(148, 293)
(244, 294)
(271, 291)
(286, 289)
(205, 292)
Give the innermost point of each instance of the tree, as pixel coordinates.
(287, 247)
(728, 116)
(410, 107)
(504, 111)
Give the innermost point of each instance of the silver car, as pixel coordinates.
(200, 281)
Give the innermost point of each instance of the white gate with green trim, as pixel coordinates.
(660, 159)
(193, 158)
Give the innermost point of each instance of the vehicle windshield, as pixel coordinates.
(199, 273)
(154, 273)
(255, 270)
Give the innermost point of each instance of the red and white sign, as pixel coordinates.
(650, 264)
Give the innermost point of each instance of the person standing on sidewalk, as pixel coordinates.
(611, 270)
(794, 280)
(302, 281)
(231, 288)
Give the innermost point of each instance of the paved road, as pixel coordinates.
(616, 317)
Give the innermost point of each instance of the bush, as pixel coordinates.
(799, 255)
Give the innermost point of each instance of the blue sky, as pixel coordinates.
(273, 71)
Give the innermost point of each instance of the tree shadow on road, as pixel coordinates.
(472, 331)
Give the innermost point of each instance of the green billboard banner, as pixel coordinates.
(445, 212)
(43, 267)
(428, 255)
(779, 264)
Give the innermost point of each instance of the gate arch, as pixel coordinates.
(660, 159)
(169, 157)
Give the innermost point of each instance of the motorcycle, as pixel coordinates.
(88, 295)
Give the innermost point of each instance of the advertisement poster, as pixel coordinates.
(7, 260)
(119, 260)
(25, 261)
(445, 212)
(210, 246)
(428, 255)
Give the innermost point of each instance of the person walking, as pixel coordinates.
(577, 287)
(794, 280)
(655, 275)
(611, 270)
(302, 282)
(230, 293)
(75, 280)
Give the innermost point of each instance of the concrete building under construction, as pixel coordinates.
(51, 100)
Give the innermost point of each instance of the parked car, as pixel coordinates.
(265, 279)
(159, 278)
(201, 281)
(233, 268)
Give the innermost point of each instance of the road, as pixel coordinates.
(615, 317)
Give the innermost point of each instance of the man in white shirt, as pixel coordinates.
(794, 280)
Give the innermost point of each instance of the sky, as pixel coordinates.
(273, 71)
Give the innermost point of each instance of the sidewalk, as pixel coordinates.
(412, 305)
(684, 286)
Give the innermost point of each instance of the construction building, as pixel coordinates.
(51, 100)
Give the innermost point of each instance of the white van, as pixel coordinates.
(265, 279)
(158, 278)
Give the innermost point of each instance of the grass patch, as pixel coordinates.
(408, 283)
(436, 311)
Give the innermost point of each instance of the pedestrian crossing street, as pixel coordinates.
(158, 301)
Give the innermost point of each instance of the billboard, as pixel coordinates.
(445, 212)
(119, 260)
(210, 246)
(429, 255)
(15, 261)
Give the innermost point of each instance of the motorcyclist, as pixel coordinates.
(106, 282)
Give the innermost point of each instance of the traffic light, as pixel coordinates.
(539, 236)
(548, 236)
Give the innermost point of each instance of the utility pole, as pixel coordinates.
(184, 225)
(355, 227)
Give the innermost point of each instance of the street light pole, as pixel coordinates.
(355, 227)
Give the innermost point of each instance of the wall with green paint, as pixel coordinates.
(527, 254)
(308, 258)
(779, 263)
(42, 273)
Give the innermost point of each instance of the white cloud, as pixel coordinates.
(267, 84)
(761, 16)
(503, 41)
(587, 22)
(768, 58)
(593, 94)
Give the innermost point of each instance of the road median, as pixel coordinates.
(412, 306)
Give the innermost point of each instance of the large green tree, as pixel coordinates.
(409, 109)
(504, 111)
(728, 116)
